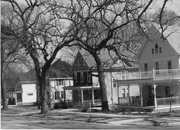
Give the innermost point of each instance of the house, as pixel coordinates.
(86, 85)
(159, 72)
(26, 89)
(59, 76)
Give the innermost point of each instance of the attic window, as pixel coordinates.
(156, 48)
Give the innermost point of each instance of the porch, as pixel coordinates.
(85, 96)
(157, 91)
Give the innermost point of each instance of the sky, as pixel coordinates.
(173, 5)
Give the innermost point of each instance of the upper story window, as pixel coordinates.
(85, 76)
(157, 67)
(152, 50)
(82, 77)
(75, 77)
(59, 82)
(169, 64)
(160, 49)
(78, 77)
(88, 77)
(145, 67)
(114, 85)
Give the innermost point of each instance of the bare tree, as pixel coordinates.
(106, 24)
(41, 35)
(9, 55)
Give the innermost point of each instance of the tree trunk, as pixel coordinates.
(3, 93)
(101, 77)
(44, 101)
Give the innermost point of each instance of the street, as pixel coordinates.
(29, 118)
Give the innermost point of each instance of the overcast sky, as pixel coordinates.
(173, 5)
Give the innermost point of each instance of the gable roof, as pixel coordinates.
(171, 34)
(59, 69)
(108, 58)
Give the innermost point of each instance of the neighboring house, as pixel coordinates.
(159, 75)
(86, 86)
(26, 89)
(59, 76)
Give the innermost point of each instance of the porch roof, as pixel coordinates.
(81, 88)
(145, 81)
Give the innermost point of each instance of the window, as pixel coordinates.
(160, 50)
(59, 82)
(157, 67)
(88, 77)
(152, 50)
(57, 94)
(30, 94)
(169, 65)
(156, 48)
(62, 94)
(114, 85)
(85, 76)
(82, 77)
(78, 77)
(75, 77)
(145, 67)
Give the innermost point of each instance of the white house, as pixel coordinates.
(59, 77)
(159, 75)
(57, 89)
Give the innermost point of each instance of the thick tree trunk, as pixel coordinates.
(44, 101)
(101, 77)
(3, 93)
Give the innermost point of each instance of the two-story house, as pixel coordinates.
(159, 75)
(86, 85)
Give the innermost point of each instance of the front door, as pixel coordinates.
(150, 101)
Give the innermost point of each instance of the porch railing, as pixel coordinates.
(132, 100)
(162, 74)
(167, 100)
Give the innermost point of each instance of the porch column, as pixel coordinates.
(129, 94)
(155, 100)
(82, 99)
(64, 95)
(141, 94)
(92, 96)
(118, 93)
